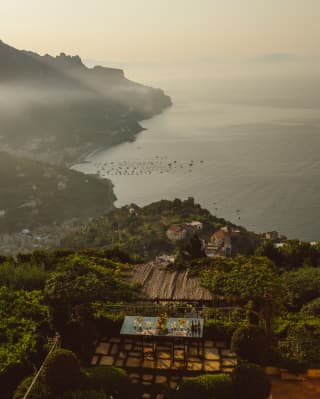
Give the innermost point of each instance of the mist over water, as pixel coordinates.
(254, 145)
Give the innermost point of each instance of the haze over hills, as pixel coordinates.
(95, 107)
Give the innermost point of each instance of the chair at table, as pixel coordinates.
(148, 346)
(179, 344)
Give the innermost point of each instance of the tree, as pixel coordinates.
(71, 293)
(303, 285)
(39, 390)
(312, 309)
(252, 281)
(195, 248)
(85, 280)
(301, 347)
(296, 253)
(192, 250)
(23, 326)
(268, 249)
(61, 371)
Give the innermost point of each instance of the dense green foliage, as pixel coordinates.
(111, 380)
(300, 346)
(23, 328)
(77, 286)
(35, 194)
(303, 285)
(248, 381)
(272, 319)
(61, 371)
(39, 391)
(292, 255)
(62, 378)
(216, 386)
(74, 292)
(251, 282)
(312, 308)
(22, 276)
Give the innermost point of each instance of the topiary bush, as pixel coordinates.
(208, 386)
(250, 344)
(113, 381)
(250, 382)
(92, 394)
(62, 371)
(39, 390)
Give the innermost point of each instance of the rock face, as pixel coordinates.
(56, 105)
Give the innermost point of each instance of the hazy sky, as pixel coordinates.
(131, 31)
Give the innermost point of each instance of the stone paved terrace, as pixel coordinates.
(152, 374)
(150, 371)
(217, 357)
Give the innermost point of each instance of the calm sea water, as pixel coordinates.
(253, 150)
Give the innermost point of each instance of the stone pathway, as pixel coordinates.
(154, 374)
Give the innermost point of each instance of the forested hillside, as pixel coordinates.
(142, 230)
(35, 194)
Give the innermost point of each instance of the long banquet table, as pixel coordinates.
(179, 331)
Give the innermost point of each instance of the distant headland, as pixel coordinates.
(56, 109)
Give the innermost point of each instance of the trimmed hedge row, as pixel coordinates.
(247, 381)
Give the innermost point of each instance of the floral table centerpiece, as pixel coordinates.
(162, 323)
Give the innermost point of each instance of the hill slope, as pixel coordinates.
(56, 108)
(35, 194)
(142, 230)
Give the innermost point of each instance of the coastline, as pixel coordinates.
(69, 157)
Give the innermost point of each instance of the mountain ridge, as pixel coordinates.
(56, 109)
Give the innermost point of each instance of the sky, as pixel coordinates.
(164, 32)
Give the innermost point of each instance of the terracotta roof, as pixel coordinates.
(219, 234)
(175, 229)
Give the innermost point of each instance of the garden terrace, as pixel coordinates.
(150, 370)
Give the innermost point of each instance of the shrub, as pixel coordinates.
(250, 344)
(62, 371)
(92, 394)
(111, 380)
(312, 309)
(219, 330)
(250, 382)
(39, 390)
(301, 349)
(216, 386)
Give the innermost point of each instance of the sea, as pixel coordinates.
(246, 149)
